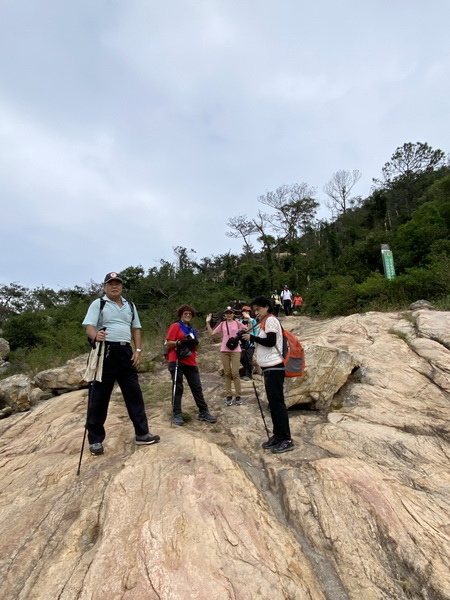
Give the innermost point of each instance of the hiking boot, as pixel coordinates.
(177, 420)
(147, 439)
(96, 449)
(205, 416)
(229, 401)
(284, 446)
(271, 442)
(238, 401)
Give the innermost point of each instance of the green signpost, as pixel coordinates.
(388, 261)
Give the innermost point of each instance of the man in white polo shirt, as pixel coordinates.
(286, 297)
(115, 322)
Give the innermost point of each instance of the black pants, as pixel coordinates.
(247, 360)
(117, 366)
(274, 382)
(192, 375)
(287, 307)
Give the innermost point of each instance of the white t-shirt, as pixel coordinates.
(265, 356)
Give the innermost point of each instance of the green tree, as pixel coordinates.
(411, 159)
(13, 299)
(295, 209)
(429, 224)
(409, 172)
(26, 330)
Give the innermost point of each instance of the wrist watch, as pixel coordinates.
(138, 350)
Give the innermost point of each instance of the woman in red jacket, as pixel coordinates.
(182, 343)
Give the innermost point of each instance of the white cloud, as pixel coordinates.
(130, 127)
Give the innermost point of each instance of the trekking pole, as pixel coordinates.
(91, 388)
(91, 385)
(260, 408)
(174, 387)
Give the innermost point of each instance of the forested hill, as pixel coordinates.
(336, 266)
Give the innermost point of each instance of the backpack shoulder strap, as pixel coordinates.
(133, 310)
(100, 312)
(262, 324)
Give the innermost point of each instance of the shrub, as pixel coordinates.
(26, 330)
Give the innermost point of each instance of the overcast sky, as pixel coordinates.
(129, 127)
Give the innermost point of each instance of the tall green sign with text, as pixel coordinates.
(388, 261)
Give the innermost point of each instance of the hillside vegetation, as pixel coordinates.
(336, 266)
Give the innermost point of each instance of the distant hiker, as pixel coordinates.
(269, 356)
(248, 348)
(286, 298)
(297, 302)
(230, 352)
(276, 302)
(114, 321)
(182, 342)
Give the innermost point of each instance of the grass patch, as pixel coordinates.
(154, 393)
(30, 362)
(337, 406)
(442, 303)
(146, 366)
(400, 334)
(408, 316)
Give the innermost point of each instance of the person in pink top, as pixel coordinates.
(231, 357)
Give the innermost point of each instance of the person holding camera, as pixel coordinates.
(269, 356)
(248, 348)
(182, 343)
(230, 352)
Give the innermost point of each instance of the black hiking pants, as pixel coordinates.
(192, 375)
(274, 382)
(117, 366)
(247, 359)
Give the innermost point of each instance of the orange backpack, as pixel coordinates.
(293, 354)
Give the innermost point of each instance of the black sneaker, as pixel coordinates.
(147, 439)
(96, 449)
(239, 401)
(205, 416)
(284, 446)
(271, 442)
(229, 401)
(177, 420)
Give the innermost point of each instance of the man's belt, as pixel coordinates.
(118, 343)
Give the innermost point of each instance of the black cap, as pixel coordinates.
(111, 276)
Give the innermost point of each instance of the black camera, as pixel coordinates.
(233, 342)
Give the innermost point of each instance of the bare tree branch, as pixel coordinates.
(339, 188)
(295, 208)
(240, 226)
